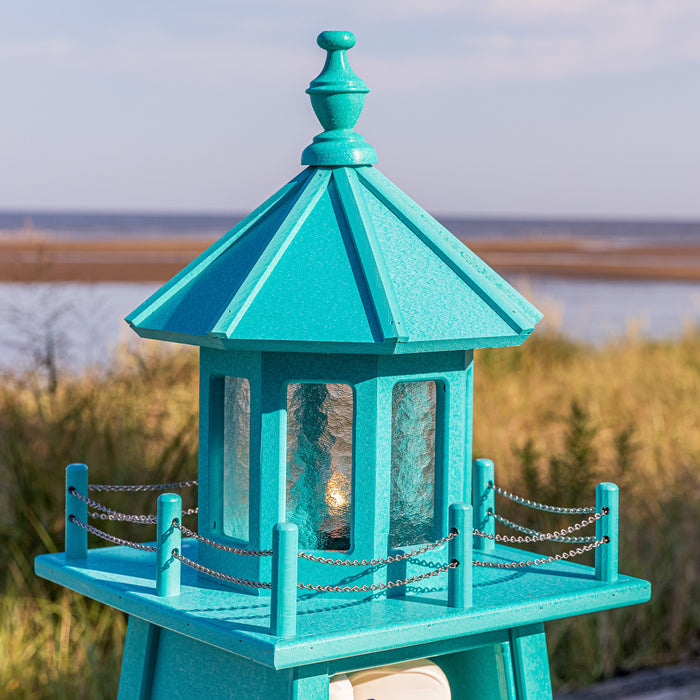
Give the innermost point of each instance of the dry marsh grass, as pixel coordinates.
(646, 391)
(556, 417)
(67, 648)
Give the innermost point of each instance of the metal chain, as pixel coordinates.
(379, 562)
(536, 536)
(143, 519)
(109, 514)
(110, 538)
(142, 487)
(540, 537)
(377, 586)
(224, 548)
(538, 562)
(339, 589)
(539, 506)
(124, 517)
(218, 574)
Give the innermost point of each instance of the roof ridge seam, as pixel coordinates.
(379, 284)
(211, 254)
(406, 210)
(306, 200)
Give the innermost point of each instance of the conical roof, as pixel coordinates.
(338, 260)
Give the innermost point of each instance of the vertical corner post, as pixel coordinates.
(76, 536)
(459, 582)
(396, 571)
(607, 496)
(283, 603)
(484, 500)
(169, 538)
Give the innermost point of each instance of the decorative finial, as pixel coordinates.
(337, 96)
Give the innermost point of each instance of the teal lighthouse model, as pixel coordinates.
(345, 545)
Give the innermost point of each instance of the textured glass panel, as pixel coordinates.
(319, 464)
(412, 518)
(236, 455)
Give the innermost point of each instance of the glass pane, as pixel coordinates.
(319, 464)
(236, 457)
(412, 517)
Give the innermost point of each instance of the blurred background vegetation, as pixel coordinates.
(555, 416)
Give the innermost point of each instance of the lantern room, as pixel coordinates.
(336, 325)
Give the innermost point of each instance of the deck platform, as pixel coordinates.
(329, 628)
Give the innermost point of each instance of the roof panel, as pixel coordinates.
(197, 307)
(316, 291)
(435, 302)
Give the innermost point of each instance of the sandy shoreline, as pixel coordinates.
(38, 259)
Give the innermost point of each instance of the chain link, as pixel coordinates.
(109, 514)
(224, 548)
(142, 519)
(141, 487)
(379, 562)
(539, 562)
(124, 517)
(539, 506)
(110, 538)
(377, 586)
(218, 574)
(536, 536)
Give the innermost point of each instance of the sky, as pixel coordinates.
(503, 108)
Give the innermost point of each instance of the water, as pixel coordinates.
(82, 324)
(139, 225)
(597, 311)
(79, 324)
(106, 225)
(615, 233)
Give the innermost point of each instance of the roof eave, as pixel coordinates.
(389, 347)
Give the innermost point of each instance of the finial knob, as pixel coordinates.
(337, 96)
(335, 41)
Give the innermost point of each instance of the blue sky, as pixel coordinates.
(583, 108)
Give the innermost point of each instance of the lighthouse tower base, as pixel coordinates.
(159, 663)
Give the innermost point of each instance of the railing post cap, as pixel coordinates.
(607, 486)
(76, 467)
(285, 527)
(484, 462)
(168, 498)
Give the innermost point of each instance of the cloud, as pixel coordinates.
(56, 49)
(535, 40)
(409, 44)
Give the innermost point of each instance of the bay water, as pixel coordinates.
(82, 324)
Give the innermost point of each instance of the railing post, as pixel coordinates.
(76, 536)
(283, 604)
(459, 580)
(484, 500)
(169, 538)
(606, 555)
